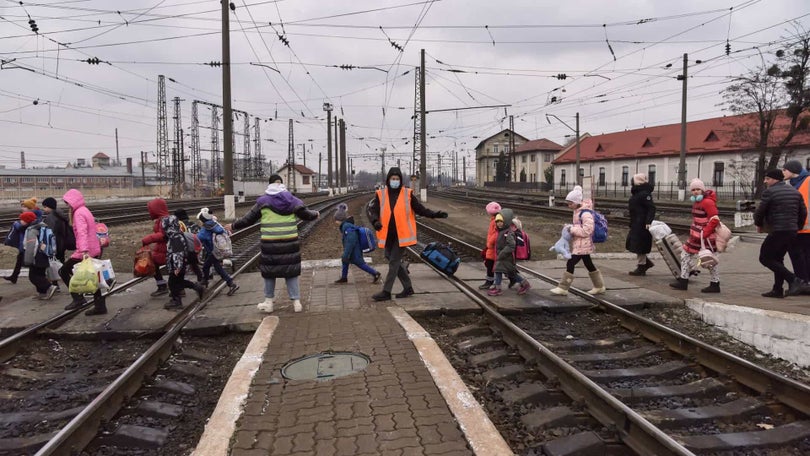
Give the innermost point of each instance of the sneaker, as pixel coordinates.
(797, 287)
(405, 293)
(524, 287)
(40, 297)
(486, 285)
(51, 290)
(161, 290)
(232, 288)
(495, 292)
(342, 280)
(376, 277)
(266, 306)
(297, 305)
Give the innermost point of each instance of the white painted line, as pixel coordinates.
(216, 438)
(481, 434)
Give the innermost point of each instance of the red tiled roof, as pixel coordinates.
(101, 155)
(300, 168)
(538, 144)
(719, 134)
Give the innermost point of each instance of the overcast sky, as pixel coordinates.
(57, 107)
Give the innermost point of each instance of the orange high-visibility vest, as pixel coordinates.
(403, 214)
(804, 189)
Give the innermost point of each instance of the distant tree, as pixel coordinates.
(744, 172)
(548, 175)
(502, 168)
(778, 89)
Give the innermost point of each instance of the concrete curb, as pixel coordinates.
(780, 334)
(483, 437)
(216, 439)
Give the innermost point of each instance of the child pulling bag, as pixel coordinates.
(85, 277)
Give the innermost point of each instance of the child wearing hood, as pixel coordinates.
(581, 244)
(350, 237)
(176, 262)
(704, 221)
(158, 209)
(206, 236)
(280, 257)
(505, 255)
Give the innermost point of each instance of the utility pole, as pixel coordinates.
(143, 168)
(162, 146)
(579, 176)
(291, 155)
(177, 152)
(196, 177)
(227, 113)
(423, 128)
(328, 108)
(343, 180)
(513, 175)
(337, 154)
(382, 166)
(319, 170)
(464, 169)
(117, 157)
(682, 162)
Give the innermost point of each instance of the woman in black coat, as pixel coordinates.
(642, 213)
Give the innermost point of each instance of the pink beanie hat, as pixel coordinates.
(493, 208)
(697, 183)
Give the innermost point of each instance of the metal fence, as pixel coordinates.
(663, 191)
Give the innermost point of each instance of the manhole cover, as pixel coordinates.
(325, 366)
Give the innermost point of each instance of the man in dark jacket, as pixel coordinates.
(780, 213)
(642, 213)
(392, 214)
(280, 257)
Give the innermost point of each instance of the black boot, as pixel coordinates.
(382, 296)
(161, 290)
(797, 287)
(200, 289)
(485, 285)
(78, 301)
(714, 287)
(680, 284)
(641, 270)
(174, 303)
(774, 293)
(342, 280)
(100, 308)
(405, 293)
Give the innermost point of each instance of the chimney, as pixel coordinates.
(129, 165)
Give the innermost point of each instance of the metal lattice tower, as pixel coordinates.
(291, 155)
(162, 146)
(196, 163)
(216, 168)
(258, 160)
(247, 162)
(178, 158)
(417, 121)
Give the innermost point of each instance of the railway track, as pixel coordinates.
(92, 396)
(607, 381)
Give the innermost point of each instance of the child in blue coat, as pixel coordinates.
(351, 246)
(206, 238)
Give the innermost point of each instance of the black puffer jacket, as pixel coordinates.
(781, 209)
(642, 213)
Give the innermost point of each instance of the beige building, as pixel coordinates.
(534, 157)
(298, 178)
(488, 154)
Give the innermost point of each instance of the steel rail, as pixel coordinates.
(75, 436)
(764, 381)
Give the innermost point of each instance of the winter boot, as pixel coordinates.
(797, 287)
(774, 293)
(297, 305)
(266, 306)
(485, 285)
(161, 290)
(342, 280)
(100, 308)
(78, 301)
(174, 303)
(598, 283)
(200, 289)
(382, 296)
(680, 284)
(714, 287)
(405, 293)
(641, 270)
(565, 283)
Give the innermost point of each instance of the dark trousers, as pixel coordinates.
(17, 266)
(177, 282)
(66, 272)
(211, 260)
(772, 256)
(194, 263)
(393, 253)
(37, 277)
(799, 254)
(490, 265)
(586, 260)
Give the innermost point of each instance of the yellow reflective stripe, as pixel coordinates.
(277, 227)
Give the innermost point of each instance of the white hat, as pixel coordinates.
(575, 195)
(205, 215)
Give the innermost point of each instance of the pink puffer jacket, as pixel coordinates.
(582, 230)
(84, 226)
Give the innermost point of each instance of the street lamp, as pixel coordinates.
(576, 131)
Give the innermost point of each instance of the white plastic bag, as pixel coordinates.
(52, 273)
(659, 229)
(106, 274)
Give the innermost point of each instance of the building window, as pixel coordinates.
(651, 174)
(581, 173)
(534, 158)
(523, 159)
(601, 176)
(625, 175)
(717, 176)
(562, 177)
(495, 149)
(305, 180)
(547, 157)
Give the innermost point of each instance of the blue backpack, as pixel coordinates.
(368, 240)
(600, 226)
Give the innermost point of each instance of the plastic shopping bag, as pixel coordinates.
(85, 277)
(106, 274)
(52, 273)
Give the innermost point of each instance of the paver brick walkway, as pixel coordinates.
(391, 408)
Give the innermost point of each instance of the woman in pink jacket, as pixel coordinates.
(84, 228)
(581, 244)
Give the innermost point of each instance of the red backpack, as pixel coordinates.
(523, 247)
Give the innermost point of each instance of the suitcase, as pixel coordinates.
(442, 257)
(670, 247)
